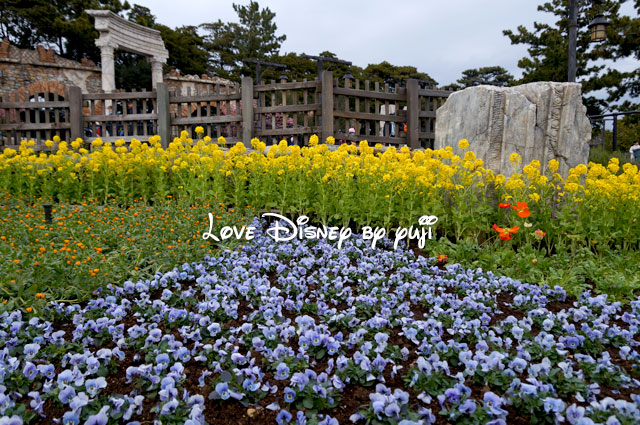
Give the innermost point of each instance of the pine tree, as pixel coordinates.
(548, 50)
(253, 37)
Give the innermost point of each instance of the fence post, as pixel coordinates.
(413, 114)
(327, 104)
(164, 120)
(76, 120)
(615, 133)
(247, 109)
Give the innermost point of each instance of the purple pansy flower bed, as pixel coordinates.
(303, 332)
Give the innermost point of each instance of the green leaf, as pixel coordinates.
(226, 376)
(308, 403)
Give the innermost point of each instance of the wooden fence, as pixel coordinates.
(46, 116)
(113, 116)
(348, 110)
(216, 110)
(287, 110)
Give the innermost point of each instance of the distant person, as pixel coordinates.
(130, 123)
(635, 151)
(109, 125)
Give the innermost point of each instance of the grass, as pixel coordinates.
(615, 273)
(87, 246)
(601, 156)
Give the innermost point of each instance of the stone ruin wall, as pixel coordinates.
(24, 72)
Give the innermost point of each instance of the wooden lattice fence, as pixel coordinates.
(348, 110)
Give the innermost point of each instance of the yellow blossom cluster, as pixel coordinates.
(351, 181)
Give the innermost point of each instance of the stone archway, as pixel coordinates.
(47, 94)
(118, 33)
(23, 94)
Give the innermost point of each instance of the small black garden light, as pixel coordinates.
(598, 29)
(47, 213)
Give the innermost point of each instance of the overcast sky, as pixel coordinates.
(439, 37)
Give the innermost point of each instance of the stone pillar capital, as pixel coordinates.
(158, 60)
(106, 45)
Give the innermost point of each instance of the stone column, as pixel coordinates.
(108, 67)
(156, 70)
(108, 74)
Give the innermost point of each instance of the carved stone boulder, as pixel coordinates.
(539, 121)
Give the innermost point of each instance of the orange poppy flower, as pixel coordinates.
(523, 209)
(504, 205)
(505, 234)
(442, 258)
(520, 206)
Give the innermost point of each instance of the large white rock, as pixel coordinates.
(540, 121)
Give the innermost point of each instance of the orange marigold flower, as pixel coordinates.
(504, 205)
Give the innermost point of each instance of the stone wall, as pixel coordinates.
(24, 72)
